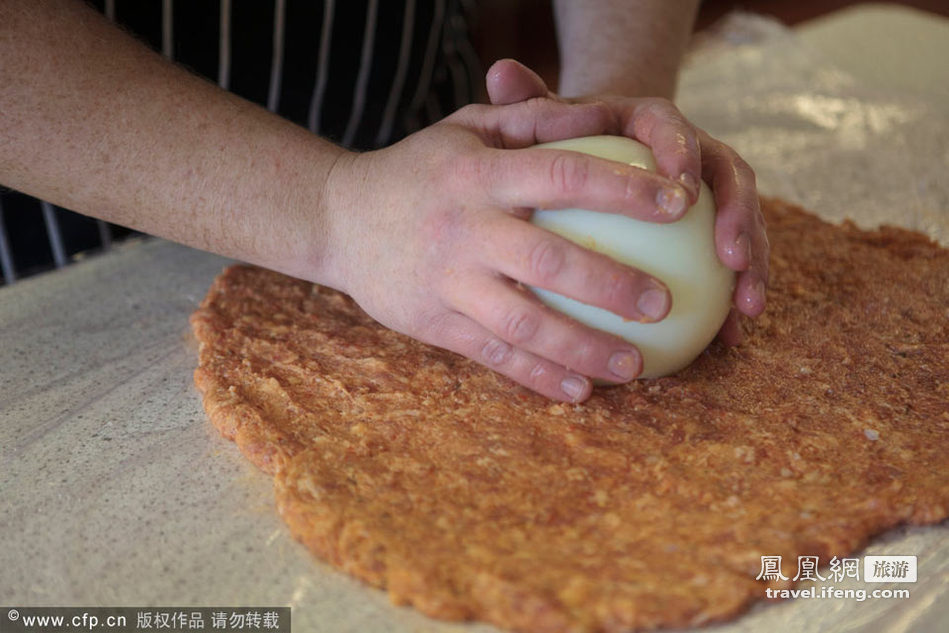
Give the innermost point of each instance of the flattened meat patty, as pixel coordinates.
(649, 505)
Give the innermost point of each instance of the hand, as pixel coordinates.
(430, 237)
(683, 154)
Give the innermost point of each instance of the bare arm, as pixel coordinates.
(622, 47)
(94, 121)
(429, 235)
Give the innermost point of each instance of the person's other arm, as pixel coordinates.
(622, 47)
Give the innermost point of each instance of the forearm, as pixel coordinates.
(623, 47)
(94, 121)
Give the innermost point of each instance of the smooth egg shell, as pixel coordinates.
(681, 254)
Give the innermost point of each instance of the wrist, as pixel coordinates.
(330, 254)
(292, 230)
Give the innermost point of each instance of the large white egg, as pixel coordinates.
(681, 254)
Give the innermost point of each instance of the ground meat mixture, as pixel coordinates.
(649, 505)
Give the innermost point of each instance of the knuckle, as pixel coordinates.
(539, 110)
(599, 112)
(443, 229)
(466, 171)
(467, 113)
(546, 260)
(569, 173)
(536, 107)
(582, 354)
(650, 104)
(615, 289)
(436, 325)
(659, 107)
(496, 353)
(634, 185)
(465, 168)
(743, 171)
(601, 108)
(473, 109)
(746, 172)
(520, 326)
(537, 375)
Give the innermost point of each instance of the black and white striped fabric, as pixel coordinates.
(362, 73)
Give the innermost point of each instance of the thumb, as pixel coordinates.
(509, 81)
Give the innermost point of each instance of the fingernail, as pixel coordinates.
(653, 303)
(672, 201)
(573, 386)
(623, 365)
(691, 185)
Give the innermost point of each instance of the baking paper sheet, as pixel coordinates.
(115, 490)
